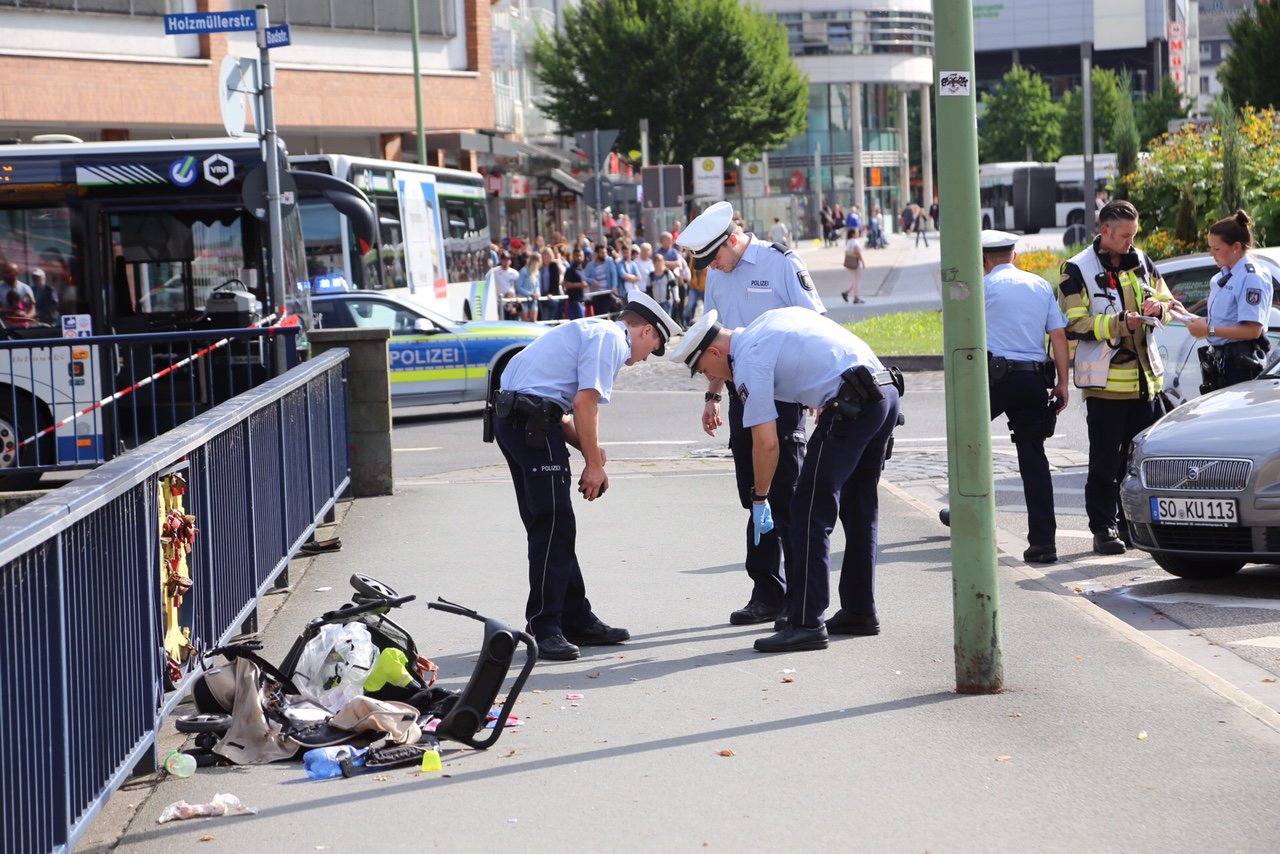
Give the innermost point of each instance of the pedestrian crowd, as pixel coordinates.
(564, 279)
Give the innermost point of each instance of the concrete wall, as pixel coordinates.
(368, 405)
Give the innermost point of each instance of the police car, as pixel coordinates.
(433, 359)
(1188, 278)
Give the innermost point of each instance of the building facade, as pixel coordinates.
(867, 62)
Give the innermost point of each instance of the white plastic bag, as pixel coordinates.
(334, 665)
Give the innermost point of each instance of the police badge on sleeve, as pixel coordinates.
(806, 281)
(1253, 296)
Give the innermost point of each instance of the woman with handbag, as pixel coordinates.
(853, 262)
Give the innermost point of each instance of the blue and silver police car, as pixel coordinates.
(433, 359)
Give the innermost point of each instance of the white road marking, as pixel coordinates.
(412, 450)
(1271, 642)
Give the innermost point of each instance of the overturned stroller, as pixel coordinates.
(352, 677)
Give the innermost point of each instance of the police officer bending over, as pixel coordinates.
(745, 278)
(1021, 308)
(567, 372)
(795, 356)
(1239, 308)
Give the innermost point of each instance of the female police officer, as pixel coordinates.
(1239, 307)
(568, 371)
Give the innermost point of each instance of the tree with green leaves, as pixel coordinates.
(1224, 116)
(1020, 120)
(1106, 98)
(1154, 114)
(1124, 137)
(711, 76)
(1249, 74)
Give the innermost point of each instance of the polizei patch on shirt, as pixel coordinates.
(1253, 296)
(760, 285)
(743, 394)
(806, 281)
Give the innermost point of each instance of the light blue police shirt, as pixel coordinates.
(584, 353)
(795, 356)
(1240, 295)
(1021, 308)
(764, 279)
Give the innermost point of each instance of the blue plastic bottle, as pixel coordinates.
(325, 762)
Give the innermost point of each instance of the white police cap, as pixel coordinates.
(708, 231)
(648, 308)
(696, 340)
(995, 241)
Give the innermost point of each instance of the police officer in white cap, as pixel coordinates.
(1021, 309)
(549, 398)
(748, 276)
(798, 357)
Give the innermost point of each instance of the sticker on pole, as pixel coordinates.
(953, 83)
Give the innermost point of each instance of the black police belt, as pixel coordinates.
(860, 386)
(535, 413)
(998, 367)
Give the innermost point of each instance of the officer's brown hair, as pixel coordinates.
(1237, 228)
(1116, 211)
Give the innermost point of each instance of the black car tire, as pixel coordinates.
(1198, 567)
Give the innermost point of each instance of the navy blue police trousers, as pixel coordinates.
(543, 483)
(765, 561)
(838, 480)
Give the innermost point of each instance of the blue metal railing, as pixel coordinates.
(82, 678)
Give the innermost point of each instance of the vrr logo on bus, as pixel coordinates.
(219, 170)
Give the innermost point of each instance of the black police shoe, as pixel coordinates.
(754, 612)
(556, 648)
(794, 639)
(851, 624)
(944, 516)
(597, 634)
(781, 624)
(1108, 542)
(1040, 554)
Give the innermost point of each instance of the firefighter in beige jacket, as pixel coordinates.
(1112, 297)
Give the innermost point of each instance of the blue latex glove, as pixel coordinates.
(761, 519)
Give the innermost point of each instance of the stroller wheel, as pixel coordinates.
(367, 585)
(202, 723)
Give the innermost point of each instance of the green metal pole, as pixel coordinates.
(417, 79)
(979, 669)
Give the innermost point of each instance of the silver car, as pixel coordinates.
(1202, 490)
(1188, 277)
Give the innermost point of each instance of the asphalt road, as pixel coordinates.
(1230, 625)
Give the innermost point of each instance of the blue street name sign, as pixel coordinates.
(198, 23)
(278, 36)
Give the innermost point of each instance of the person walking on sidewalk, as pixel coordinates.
(779, 233)
(550, 397)
(1110, 294)
(797, 356)
(747, 277)
(853, 262)
(1021, 309)
(920, 225)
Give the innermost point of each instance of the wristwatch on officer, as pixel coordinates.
(710, 396)
(1212, 332)
(756, 498)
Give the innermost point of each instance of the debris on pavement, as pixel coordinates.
(221, 804)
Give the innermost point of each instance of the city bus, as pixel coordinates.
(996, 187)
(433, 232)
(995, 190)
(113, 242)
(1072, 197)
